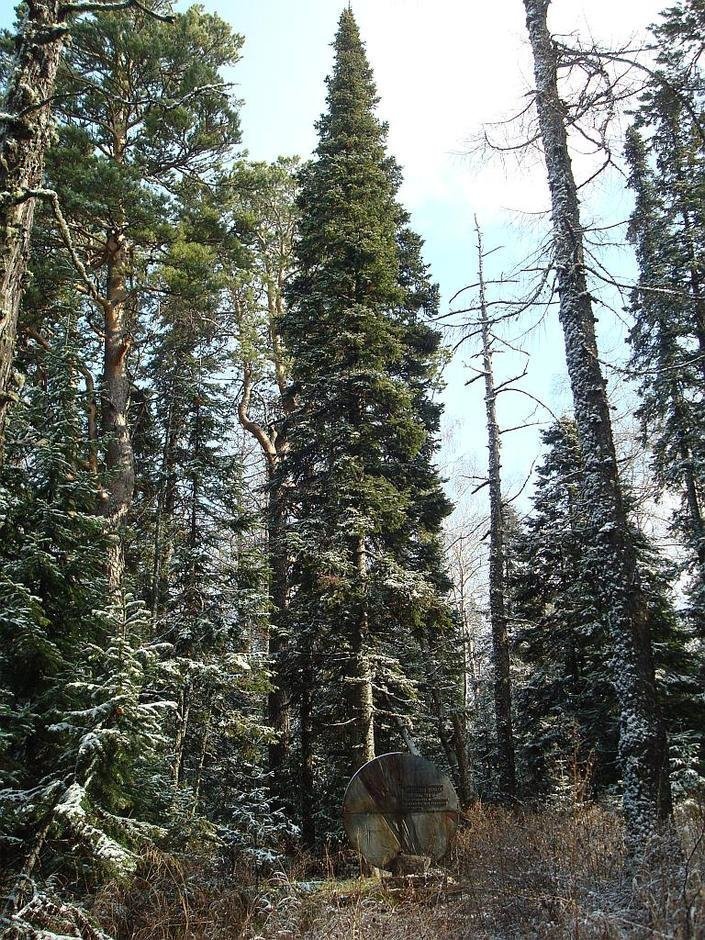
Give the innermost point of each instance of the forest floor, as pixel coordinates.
(552, 874)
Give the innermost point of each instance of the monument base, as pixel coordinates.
(405, 864)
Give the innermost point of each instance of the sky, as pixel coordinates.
(444, 69)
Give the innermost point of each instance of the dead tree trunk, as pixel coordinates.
(643, 752)
(498, 616)
(25, 133)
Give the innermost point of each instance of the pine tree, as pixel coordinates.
(366, 501)
(25, 136)
(200, 529)
(156, 111)
(265, 212)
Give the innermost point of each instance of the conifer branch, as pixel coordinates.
(73, 9)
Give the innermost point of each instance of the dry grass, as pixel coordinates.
(541, 875)
(175, 899)
(514, 874)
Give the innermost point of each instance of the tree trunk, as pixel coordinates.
(25, 134)
(202, 759)
(363, 742)
(274, 448)
(307, 791)
(166, 504)
(466, 789)
(181, 732)
(498, 616)
(643, 751)
(278, 699)
(115, 395)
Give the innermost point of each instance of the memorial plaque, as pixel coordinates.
(400, 804)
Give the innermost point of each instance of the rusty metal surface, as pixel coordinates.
(400, 804)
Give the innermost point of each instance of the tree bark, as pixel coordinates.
(114, 397)
(181, 732)
(498, 616)
(643, 751)
(25, 135)
(307, 782)
(166, 504)
(278, 709)
(360, 676)
(466, 789)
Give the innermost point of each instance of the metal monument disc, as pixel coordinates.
(400, 804)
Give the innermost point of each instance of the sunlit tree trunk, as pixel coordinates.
(114, 397)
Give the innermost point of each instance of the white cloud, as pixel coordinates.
(445, 68)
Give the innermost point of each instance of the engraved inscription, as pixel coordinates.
(400, 804)
(423, 798)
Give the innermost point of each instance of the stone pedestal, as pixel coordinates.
(410, 864)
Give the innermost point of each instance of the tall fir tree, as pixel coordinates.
(367, 503)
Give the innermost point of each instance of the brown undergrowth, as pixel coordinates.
(558, 873)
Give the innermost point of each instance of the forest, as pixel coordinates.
(234, 567)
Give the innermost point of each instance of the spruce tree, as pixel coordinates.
(567, 711)
(84, 747)
(566, 708)
(667, 229)
(366, 501)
